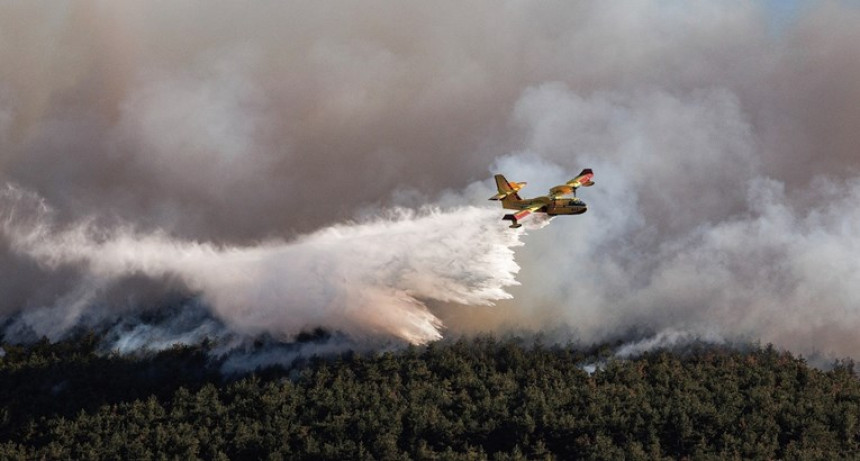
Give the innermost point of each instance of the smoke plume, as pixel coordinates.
(288, 166)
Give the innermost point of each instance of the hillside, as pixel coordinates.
(481, 398)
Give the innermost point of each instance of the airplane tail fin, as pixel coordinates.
(507, 190)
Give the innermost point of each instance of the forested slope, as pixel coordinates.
(470, 399)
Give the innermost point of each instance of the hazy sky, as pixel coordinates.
(723, 136)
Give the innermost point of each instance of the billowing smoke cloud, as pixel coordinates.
(171, 140)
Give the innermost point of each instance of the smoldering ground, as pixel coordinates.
(175, 143)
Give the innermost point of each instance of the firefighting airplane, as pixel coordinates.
(551, 204)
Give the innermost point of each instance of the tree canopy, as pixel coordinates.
(479, 398)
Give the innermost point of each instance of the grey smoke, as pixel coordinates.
(723, 142)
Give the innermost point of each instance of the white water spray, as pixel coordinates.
(364, 279)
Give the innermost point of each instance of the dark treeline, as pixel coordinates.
(481, 398)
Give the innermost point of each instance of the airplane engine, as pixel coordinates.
(561, 190)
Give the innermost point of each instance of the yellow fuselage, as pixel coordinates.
(552, 207)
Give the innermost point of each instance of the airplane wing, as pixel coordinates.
(515, 217)
(582, 180)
